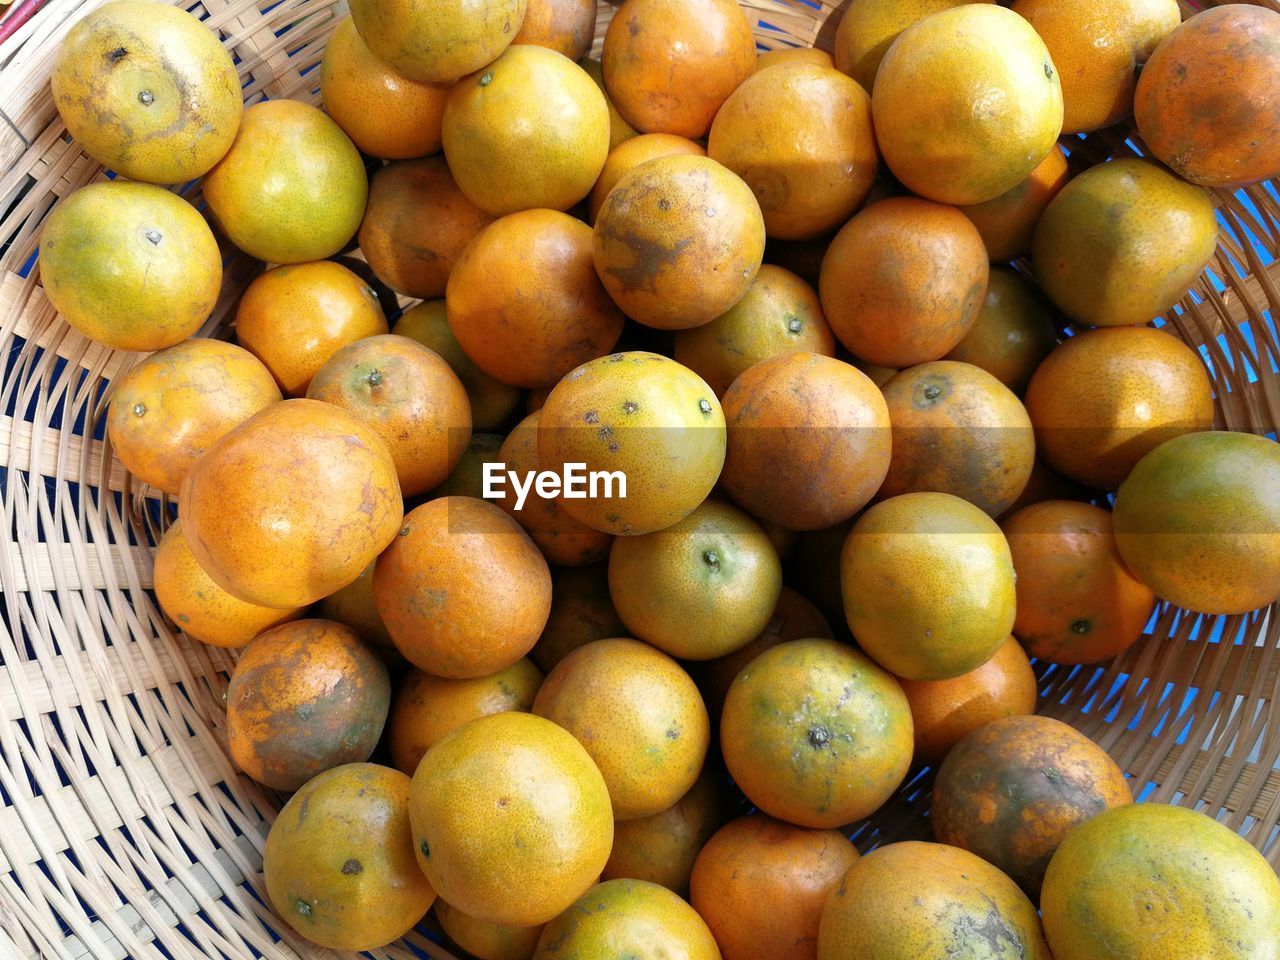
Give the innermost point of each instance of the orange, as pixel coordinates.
(781, 55)
(1104, 398)
(147, 90)
(269, 508)
(1155, 882)
(619, 129)
(809, 440)
(202, 609)
(581, 611)
(1045, 483)
(129, 265)
(779, 313)
(354, 606)
(1077, 601)
(1197, 521)
(529, 130)
(1153, 20)
(967, 102)
(1013, 332)
(492, 403)
(700, 588)
(385, 114)
(814, 567)
(639, 716)
(305, 697)
(168, 409)
(1208, 101)
(928, 585)
(670, 64)
(923, 901)
(562, 539)
(801, 138)
(958, 430)
(678, 241)
(565, 26)
(945, 711)
(485, 940)
(311, 202)
(1012, 790)
(467, 479)
(876, 374)
(295, 318)
(761, 885)
(627, 918)
(869, 27)
(338, 863)
(635, 413)
(903, 281)
(1007, 222)
(633, 152)
(816, 734)
(524, 301)
(427, 709)
(801, 257)
(500, 779)
(462, 589)
(411, 399)
(417, 225)
(440, 41)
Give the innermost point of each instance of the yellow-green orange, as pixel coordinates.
(354, 606)
(619, 129)
(1007, 222)
(581, 611)
(869, 27)
(633, 152)
(485, 940)
(436, 41)
(1012, 333)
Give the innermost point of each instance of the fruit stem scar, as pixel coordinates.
(146, 98)
(303, 907)
(486, 78)
(1048, 71)
(793, 323)
(374, 378)
(704, 406)
(1081, 626)
(139, 409)
(118, 54)
(424, 847)
(711, 558)
(153, 236)
(932, 392)
(819, 737)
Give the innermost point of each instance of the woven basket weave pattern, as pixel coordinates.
(126, 832)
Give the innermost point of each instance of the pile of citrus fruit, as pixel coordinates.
(803, 321)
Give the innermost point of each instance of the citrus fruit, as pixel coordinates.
(1012, 333)
(1007, 222)
(868, 28)
(354, 606)
(485, 940)
(565, 26)
(581, 611)
(467, 479)
(619, 129)
(814, 567)
(781, 55)
(633, 152)
(1046, 483)
(434, 41)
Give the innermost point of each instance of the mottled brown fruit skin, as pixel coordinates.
(565, 26)
(903, 281)
(958, 430)
(1012, 790)
(353, 605)
(1208, 100)
(485, 940)
(437, 42)
(305, 697)
(1013, 333)
(816, 734)
(869, 27)
(1077, 601)
(928, 901)
(1104, 398)
(462, 589)
(581, 611)
(1007, 222)
(809, 440)
(1198, 521)
(633, 152)
(338, 863)
(1154, 882)
(670, 64)
(761, 885)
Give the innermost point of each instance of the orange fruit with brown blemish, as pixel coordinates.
(801, 138)
(761, 885)
(633, 152)
(529, 130)
(781, 55)
(903, 281)
(619, 129)
(581, 611)
(678, 241)
(294, 318)
(353, 605)
(700, 588)
(511, 819)
(385, 114)
(1007, 222)
(868, 28)
(485, 940)
(1077, 601)
(270, 510)
(1013, 333)
(639, 716)
(1046, 483)
(635, 413)
(409, 396)
(779, 313)
(439, 42)
(1013, 789)
(958, 430)
(814, 733)
(945, 711)
(1104, 398)
(670, 64)
(524, 301)
(427, 708)
(1208, 101)
(338, 861)
(202, 609)
(168, 409)
(467, 479)
(305, 697)
(809, 440)
(967, 102)
(565, 26)
(462, 589)
(563, 540)
(928, 585)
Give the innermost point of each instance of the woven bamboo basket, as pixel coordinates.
(125, 830)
